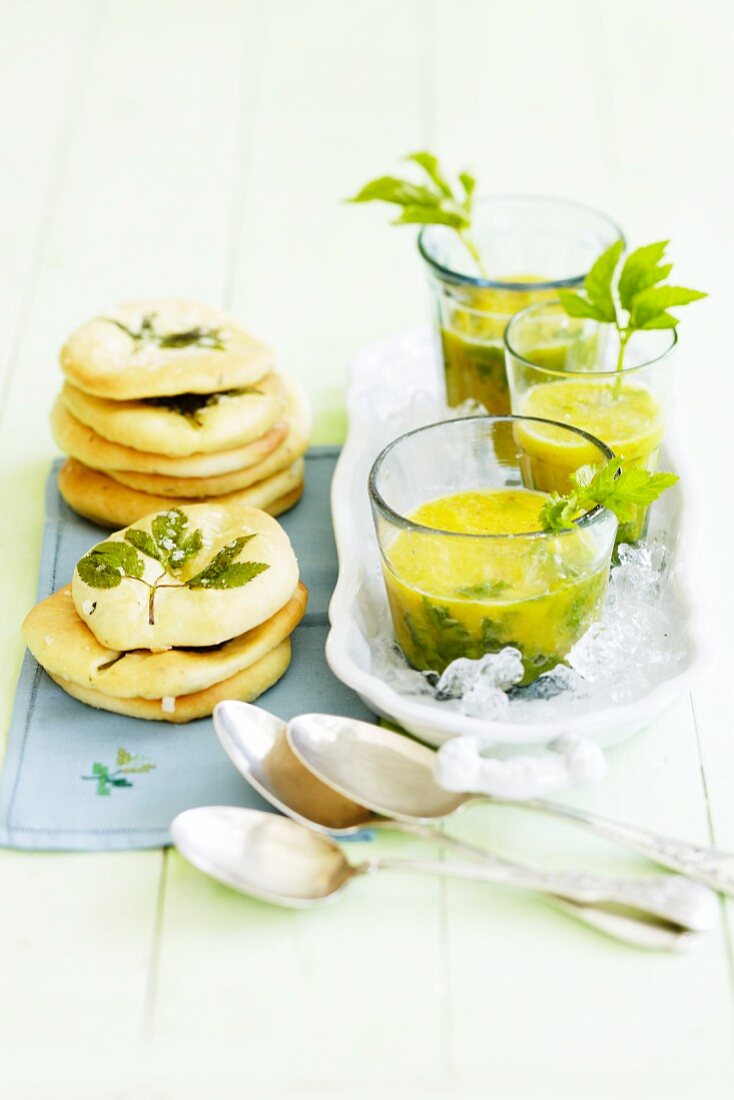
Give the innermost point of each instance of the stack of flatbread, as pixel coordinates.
(169, 401)
(167, 617)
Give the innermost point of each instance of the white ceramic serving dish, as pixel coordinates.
(393, 387)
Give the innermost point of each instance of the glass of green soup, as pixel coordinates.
(467, 566)
(530, 247)
(563, 369)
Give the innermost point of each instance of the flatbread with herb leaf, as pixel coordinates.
(187, 424)
(192, 576)
(82, 442)
(246, 686)
(160, 347)
(107, 503)
(293, 447)
(68, 650)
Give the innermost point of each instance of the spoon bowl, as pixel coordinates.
(386, 771)
(261, 854)
(256, 743)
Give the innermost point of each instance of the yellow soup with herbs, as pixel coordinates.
(453, 595)
(472, 331)
(626, 417)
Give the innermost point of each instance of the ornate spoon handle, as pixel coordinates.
(708, 865)
(637, 930)
(667, 897)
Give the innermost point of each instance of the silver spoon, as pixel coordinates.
(256, 743)
(414, 794)
(393, 775)
(282, 862)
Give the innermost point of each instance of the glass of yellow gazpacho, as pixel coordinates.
(530, 247)
(563, 369)
(467, 566)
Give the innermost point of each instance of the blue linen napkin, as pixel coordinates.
(81, 779)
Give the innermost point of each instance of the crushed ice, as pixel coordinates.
(633, 648)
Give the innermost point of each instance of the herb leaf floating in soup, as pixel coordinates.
(200, 336)
(171, 543)
(191, 405)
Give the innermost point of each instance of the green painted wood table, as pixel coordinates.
(204, 148)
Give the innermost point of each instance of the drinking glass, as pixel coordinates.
(530, 247)
(456, 594)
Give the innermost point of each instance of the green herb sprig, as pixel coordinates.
(620, 490)
(637, 299)
(191, 405)
(201, 336)
(171, 543)
(434, 202)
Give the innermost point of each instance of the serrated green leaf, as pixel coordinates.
(224, 572)
(397, 191)
(651, 303)
(436, 203)
(641, 270)
(421, 215)
(431, 167)
(143, 542)
(598, 282)
(558, 512)
(621, 491)
(638, 486)
(469, 184)
(596, 482)
(99, 769)
(106, 564)
(663, 320)
(576, 306)
(176, 545)
(234, 576)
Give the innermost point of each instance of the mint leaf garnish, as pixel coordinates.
(637, 302)
(613, 486)
(598, 283)
(434, 202)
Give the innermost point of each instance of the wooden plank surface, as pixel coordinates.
(204, 149)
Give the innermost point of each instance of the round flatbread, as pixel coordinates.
(246, 686)
(192, 576)
(161, 347)
(82, 442)
(107, 503)
(68, 650)
(293, 447)
(184, 425)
